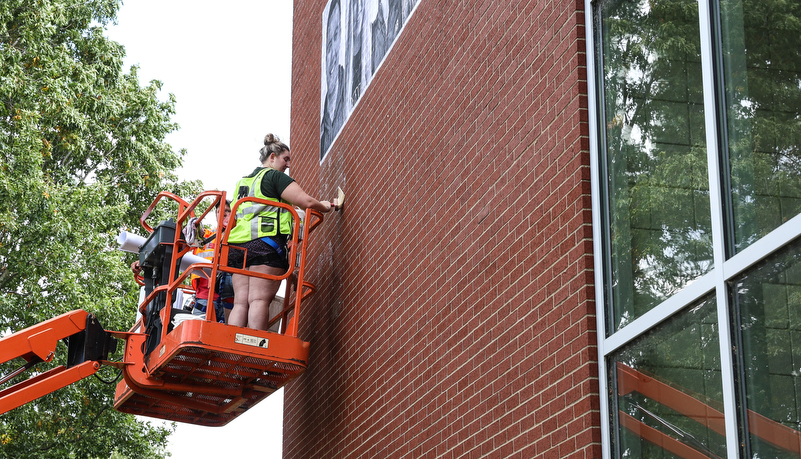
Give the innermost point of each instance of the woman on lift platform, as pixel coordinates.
(264, 232)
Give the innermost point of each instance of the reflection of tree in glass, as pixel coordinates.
(762, 69)
(656, 155)
(767, 311)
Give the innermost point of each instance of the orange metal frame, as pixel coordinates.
(38, 344)
(201, 372)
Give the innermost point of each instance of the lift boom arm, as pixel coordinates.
(87, 344)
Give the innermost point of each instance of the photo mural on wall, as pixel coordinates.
(357, 34)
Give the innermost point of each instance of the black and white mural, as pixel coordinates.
(357, 34)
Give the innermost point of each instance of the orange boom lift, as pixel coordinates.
(174, 367)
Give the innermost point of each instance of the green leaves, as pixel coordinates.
(82, 155)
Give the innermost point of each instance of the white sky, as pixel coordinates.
(229, 66)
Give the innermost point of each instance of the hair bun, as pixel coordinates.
(272, 145)
(270, 138)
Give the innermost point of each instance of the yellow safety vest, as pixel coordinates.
(256, 220)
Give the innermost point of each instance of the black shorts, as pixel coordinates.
(259, 253)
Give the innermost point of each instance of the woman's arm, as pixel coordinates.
(295, 195)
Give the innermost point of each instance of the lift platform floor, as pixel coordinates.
(208, 373)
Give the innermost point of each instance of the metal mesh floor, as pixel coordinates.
(246, 379)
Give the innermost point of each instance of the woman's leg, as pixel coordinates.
(260, 294)
(239, 315)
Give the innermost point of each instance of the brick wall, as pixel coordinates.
(454, 314)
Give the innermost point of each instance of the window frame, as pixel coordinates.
(727, 265)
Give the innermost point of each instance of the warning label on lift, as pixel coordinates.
(251, 340)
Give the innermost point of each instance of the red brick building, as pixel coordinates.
(454, 312)
(514, 169)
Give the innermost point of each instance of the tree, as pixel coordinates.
(82, 154)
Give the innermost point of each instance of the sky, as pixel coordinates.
(229, 67)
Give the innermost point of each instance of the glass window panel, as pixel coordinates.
(657, 181)
(669, 394)
(762, 75)
(767, 308)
